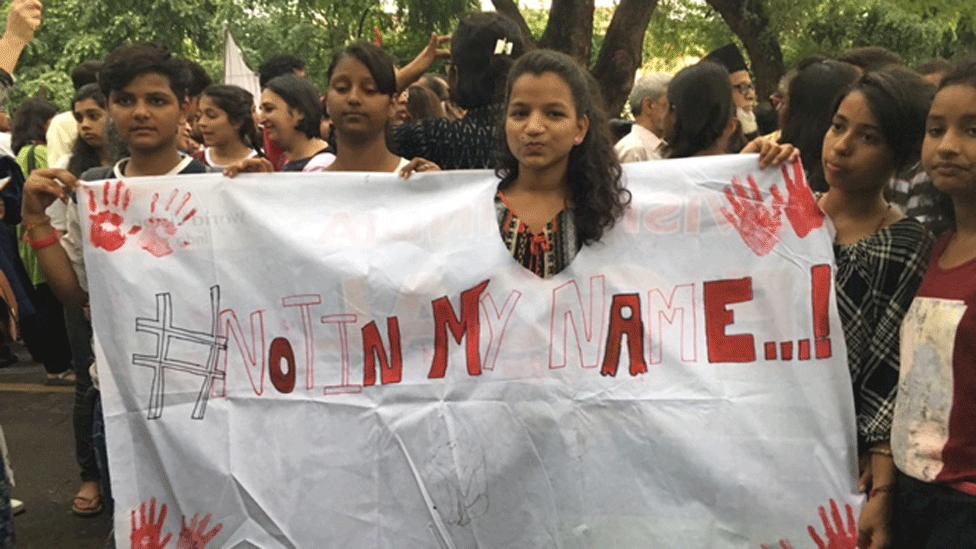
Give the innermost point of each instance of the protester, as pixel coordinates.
(44, 332)
(91, 150)
(808, 107)
(146, 89)
(360, 101)
(933, 435)
(743, 90)
(701, 120)
(423, 104)
(226, 124)
(291, 115)
(23, 20)
(561, 184)
(649, 105)
(438, 86)
(483, 48)
(274, 67)
(63, 131)
(877, 129)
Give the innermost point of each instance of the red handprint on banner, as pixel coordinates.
(802, 210)
(162, 227)
(837, 537)
(147, 534)
(196, 536)
(107, 231)
(756, 223)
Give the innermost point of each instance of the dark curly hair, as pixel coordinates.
(238, 103)
(593, 175)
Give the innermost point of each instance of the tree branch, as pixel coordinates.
(622, 52)
(570, 28)
(511, 10)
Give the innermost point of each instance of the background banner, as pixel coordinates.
(351, 360)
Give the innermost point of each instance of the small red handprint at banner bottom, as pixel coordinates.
(107, 224)
(756, 222)
(802, 210)
(196, 536)
(163, 226)
(838, 535)
(147, 534)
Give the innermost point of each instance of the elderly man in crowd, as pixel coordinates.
(649, 104)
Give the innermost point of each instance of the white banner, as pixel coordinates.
(236, 71)
(350, 360)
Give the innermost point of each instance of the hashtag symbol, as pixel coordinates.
(162, 327)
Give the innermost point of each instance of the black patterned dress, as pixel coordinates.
(546, 252)
(877, 278)
(468, 143)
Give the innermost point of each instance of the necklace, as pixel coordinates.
(881, 222)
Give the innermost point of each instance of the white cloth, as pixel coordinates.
(61, 136)
(639, 145)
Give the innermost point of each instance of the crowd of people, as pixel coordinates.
(889, 151)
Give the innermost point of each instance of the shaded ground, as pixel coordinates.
(37, 422)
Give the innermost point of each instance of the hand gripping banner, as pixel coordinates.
(351, 360)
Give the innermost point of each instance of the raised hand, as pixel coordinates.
(196, 536)
(24, 20)
(147, 533)
(162, 226)
(837, 536)
(107, 224)
(802, 210)
(42, 188)
(756, 222)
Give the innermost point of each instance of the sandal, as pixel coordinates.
(91, 506)
(66, 379)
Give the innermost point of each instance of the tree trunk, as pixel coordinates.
(622, 52)
(748, 20)
(510, 9)
(570, 29)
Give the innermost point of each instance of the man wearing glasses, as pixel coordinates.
(743, 91)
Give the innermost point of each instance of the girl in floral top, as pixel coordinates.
(560, 179)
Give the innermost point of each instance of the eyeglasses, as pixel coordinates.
(744, 88)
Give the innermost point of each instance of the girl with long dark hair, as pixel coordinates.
(226, 122)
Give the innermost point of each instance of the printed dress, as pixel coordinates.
(545, 253)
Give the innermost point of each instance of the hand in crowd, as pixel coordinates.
(250, 165)
(43, 187)
(771, 153)
(418, 165)
(435, 49)
(24, 20)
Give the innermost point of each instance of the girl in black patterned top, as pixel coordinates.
(560, 180)
(877, 129)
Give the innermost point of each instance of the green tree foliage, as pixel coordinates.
(78, 30)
